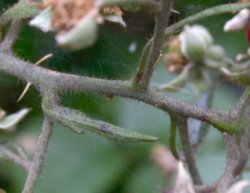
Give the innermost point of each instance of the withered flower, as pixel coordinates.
(175, 61)
(75, 22)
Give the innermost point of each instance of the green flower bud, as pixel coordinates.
(195, 41)
(216, 53)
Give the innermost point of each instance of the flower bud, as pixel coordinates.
(216, 53)
(195, 40)
(238, 22)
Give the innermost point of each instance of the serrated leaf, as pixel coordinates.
(78, 122)
(9, 122)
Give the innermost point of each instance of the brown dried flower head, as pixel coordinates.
(75, 21)
(113, 10)
(67, 13)
(175, 61)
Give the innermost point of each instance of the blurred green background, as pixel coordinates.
(91, 164)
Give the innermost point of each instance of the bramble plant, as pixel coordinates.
(189, 51)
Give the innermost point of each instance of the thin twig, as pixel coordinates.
(187, 149)
(161, 22)
(172, 136)
(217, 10)
(236, 160)
(205, 188)
(11, 35)
(38, 160)
(9, 155)
(142, 63)
(244, 99)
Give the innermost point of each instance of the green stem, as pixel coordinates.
(204, 14)
(187, 149)
(161, 22)
(38, 160)
(142, 64)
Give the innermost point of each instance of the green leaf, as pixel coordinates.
(20, 10)
(9, 122)
(78, 122)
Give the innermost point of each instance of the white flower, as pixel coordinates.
(238, 22)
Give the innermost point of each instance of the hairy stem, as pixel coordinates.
(161, 22)
(187, 149)
(172, 136)
(63, 82)
(38, 160)
(236, 160)
(142, 63)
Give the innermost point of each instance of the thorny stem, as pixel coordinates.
(61, 82)
(38, 160)
(67, 82)
(161, 22)
(187, 150)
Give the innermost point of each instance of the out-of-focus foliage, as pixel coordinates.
(90, 164)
